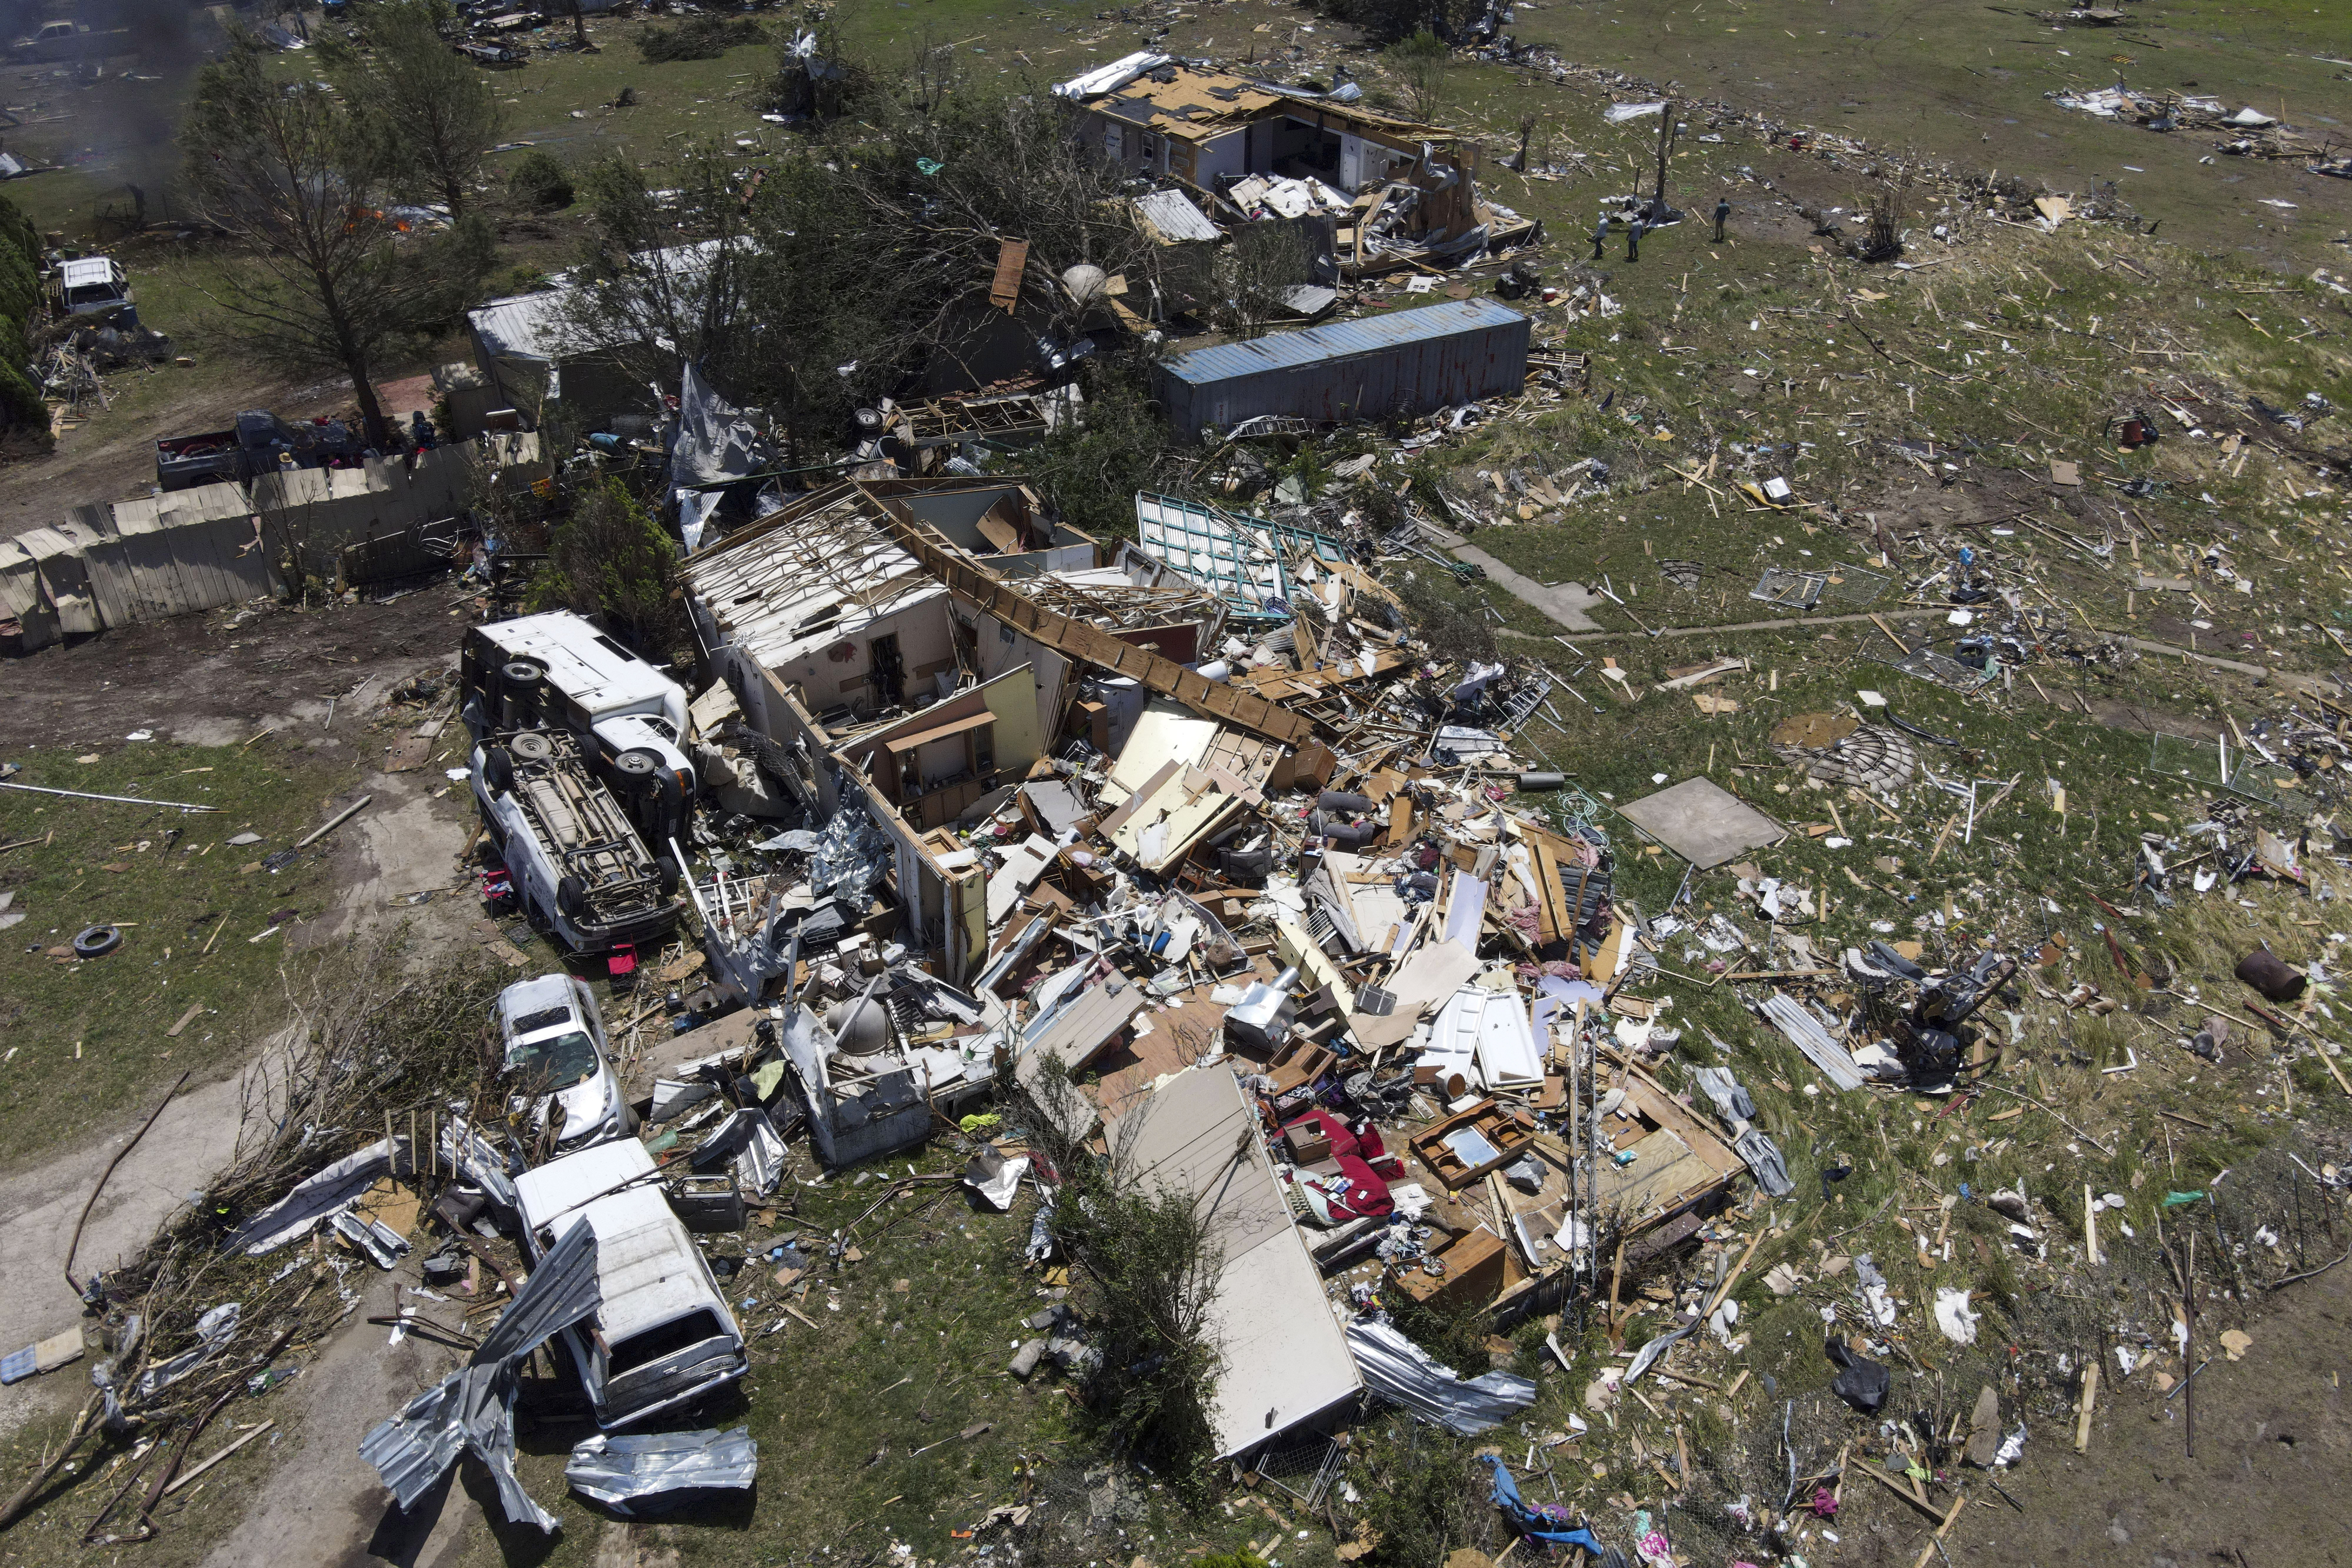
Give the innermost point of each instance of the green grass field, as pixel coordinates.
(88, 1040)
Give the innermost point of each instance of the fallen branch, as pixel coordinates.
(2310, 1273)
(2068, 1125)
(217, 1457)
(75, 1245)
(82, 1428)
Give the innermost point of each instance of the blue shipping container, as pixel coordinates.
(1406, 363)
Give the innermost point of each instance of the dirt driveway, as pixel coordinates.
(199, 683)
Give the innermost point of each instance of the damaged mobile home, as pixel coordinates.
(1388, 192)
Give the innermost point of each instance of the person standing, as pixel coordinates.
(1600, 234)
(1722, 211)
(1633, 239)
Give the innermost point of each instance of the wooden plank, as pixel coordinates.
(1549, 913)
(1246, 709)
(1011, 259)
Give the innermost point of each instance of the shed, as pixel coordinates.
(1375, 368)
(533, 351)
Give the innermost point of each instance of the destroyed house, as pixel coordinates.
(910, 649)
(1156, 115)
(1368, 192)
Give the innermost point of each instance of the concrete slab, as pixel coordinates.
(1704, 823)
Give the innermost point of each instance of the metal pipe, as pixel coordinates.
(123, 800)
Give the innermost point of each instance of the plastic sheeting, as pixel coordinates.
(715, 442)
(1394, 1367)
(619, 1471)
(1540, 1521)
(851, 856)
(473, 1407)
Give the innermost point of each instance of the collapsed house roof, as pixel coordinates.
(808, 577)
(1188, 103)
(1168, 217)
(1283, 1358)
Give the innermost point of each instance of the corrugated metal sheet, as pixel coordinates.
(1806, 1033)
(176, 554)
(1394, 1367)
(1406, 363)
(1173, 219)
(474, 1406)
(619, 1470)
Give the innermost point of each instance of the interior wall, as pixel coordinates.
(839, 672)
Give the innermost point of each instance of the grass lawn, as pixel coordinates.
(88, 1040)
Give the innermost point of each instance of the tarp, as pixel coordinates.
(1542, 1521)
(473, 1407)
(620, 1470)
(1396, 1368)
(714, 442)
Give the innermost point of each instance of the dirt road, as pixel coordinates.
(200, 686)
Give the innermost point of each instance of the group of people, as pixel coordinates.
(1636, 226)
(333, 447)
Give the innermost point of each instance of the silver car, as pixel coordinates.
(557, 1060)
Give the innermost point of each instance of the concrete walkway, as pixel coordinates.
(1565, 603)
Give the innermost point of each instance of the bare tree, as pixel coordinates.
(1255, 274)
(1422, 63)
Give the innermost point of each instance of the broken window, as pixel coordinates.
(558, 1061)
(643, 1349)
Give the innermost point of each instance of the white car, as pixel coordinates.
(553, 1040)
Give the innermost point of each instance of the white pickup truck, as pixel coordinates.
(661, 1335)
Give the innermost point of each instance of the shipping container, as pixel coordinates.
(1402, 364)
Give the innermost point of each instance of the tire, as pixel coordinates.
(666, 873)
(531, 747)
(498, 771)
(637, 767)
(571, 896)
(97, 941)
(519, 683)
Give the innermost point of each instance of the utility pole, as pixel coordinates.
(1666, 147)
